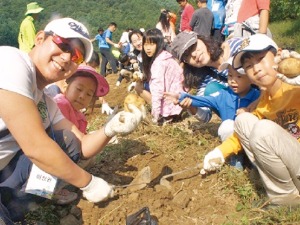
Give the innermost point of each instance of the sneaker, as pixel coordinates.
(118, 83)
(237, 161)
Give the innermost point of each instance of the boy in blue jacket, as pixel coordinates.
(226, 103)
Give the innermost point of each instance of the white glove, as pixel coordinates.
(213, 160)
(106, 109)
(116, 45)
(293, 81)
(124, 122)
(97, 190)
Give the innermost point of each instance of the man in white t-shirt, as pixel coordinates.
(31, 126)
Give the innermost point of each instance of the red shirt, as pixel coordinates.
(251, 8)
(186, 17)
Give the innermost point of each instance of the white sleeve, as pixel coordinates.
(17, 73)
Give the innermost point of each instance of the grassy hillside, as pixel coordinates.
(129, 13)
(93, 13)
(287, 34)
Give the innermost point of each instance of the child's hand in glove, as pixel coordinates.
(97, 190)
(124, 122)
(213, 160)
(106, 109)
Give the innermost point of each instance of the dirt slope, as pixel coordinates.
(192, 199)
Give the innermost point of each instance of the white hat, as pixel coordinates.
(256, 42)
(225, 65)
(69, 28)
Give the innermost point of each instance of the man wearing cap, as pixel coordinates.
(35, 138)
(27, 28)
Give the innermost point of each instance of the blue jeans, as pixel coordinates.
(107, 56)
(14, 202)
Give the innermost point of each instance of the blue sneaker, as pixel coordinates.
(237, 161)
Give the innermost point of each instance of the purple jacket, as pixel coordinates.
(166, 75)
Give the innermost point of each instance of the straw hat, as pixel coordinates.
(33, 8)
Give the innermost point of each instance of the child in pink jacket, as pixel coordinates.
(164, 74)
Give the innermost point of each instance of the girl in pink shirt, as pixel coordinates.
(85, 84)
(163, 73)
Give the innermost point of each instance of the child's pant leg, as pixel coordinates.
(275, 153)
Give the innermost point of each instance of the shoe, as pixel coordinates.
(118, 83)
(64, 197)
(237, 161)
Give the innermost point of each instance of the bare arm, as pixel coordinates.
(146, 95)
(263, 21)
(91, 144)
(23, 120)
(110, 41)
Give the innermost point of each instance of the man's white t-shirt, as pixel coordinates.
(18, 75)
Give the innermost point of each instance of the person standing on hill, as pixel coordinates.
(105, 50)
(164, 25)
(218, 9)
(255, 15)
(186, 15)
(202, 20)
(27, 29)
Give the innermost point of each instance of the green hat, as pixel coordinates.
(33, 8)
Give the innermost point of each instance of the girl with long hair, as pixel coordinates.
(164, 25)
(164, 74)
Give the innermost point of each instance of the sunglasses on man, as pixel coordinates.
(65, 45)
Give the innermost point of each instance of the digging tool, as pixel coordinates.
(128, 185)
(139, 182)
(164, 182)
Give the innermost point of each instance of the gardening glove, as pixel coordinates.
(287, 54)
(213, 160)
(106, 109)
(124, 122)
(97, 190)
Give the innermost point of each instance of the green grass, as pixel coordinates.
(287, 34)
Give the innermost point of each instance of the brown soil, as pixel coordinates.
(192, 199)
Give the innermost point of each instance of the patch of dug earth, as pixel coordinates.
(192, 199)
